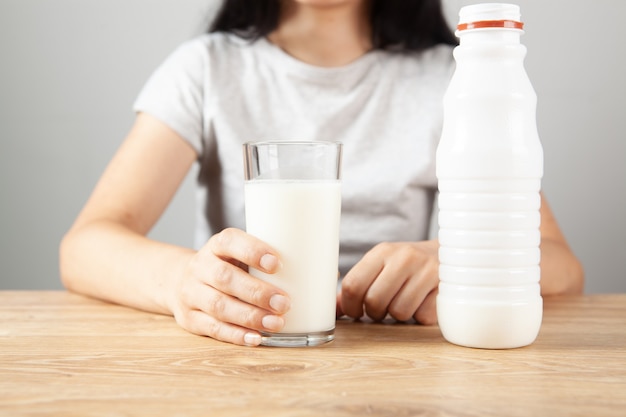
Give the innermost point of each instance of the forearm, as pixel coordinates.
(105, 260)
(561, 271)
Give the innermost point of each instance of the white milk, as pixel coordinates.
(489, 170)
(300, 219)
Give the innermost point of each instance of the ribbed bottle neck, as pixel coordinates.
(490, 36)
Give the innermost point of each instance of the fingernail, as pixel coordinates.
(273, 322)
(268, 262)
(280, 303)
(252, 339)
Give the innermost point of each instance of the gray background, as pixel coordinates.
(70, 70)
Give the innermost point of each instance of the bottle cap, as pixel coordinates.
(490, 15)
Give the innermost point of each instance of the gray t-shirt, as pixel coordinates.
(219, 91)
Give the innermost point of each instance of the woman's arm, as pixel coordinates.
(561, 271)
(401, 278)
(107, 255)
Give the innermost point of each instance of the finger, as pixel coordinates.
(427, 311)
(339, 310)
(398, 262)
(228, 309)
(202, 324)
(382, 291)
(236, 244)
(232, 310)
(234, 281)
(414, 292)
(217, 266)
(356, 283)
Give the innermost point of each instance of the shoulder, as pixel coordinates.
(214, 45)
(207, 55)
(441, 54)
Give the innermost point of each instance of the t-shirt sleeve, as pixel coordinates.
(174, 93)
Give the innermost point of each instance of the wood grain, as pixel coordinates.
(63, 354)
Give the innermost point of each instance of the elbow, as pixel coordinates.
(561, 271)
(568, 279)
(67, 258)
(577, 274)
(574, 277)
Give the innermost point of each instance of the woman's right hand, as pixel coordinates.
(217, 297)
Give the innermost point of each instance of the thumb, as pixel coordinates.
(339, 310)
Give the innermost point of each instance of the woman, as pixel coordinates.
(368, 73)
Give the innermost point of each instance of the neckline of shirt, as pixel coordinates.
(294, 66)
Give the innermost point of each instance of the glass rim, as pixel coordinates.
(292, 142)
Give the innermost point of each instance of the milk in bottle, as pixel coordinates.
(489, 169)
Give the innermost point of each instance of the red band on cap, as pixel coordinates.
(509, 24)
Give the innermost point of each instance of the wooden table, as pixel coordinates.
(63, 354)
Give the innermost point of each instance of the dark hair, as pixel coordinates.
(404, 25)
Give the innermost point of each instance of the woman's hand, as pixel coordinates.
(217, 297)
(399, 279)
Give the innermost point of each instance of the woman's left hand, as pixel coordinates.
(399, 279)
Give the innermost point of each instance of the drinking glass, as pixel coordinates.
(293, 203)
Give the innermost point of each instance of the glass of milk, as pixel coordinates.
(293, 203)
